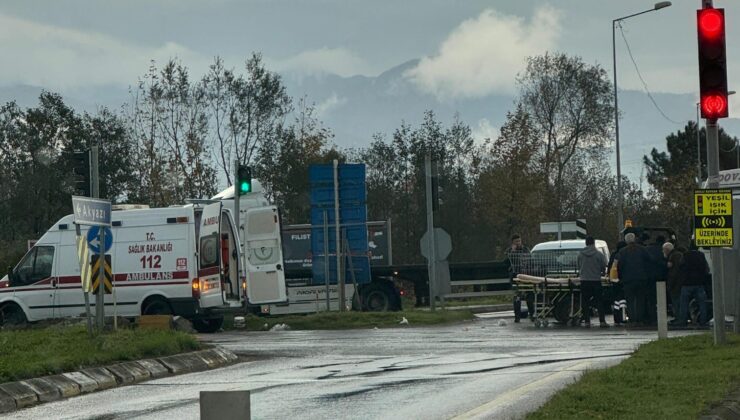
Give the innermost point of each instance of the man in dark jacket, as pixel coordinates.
(591, 265)
(695, 270)
(519, 258)
(633, 263)
(674, 276)
(657, 272)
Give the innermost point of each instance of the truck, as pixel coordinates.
(388, 282)
(188, 260)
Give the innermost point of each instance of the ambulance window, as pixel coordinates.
(35, 266)
(262, 223)
(209, 251)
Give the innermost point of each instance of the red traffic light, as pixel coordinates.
(711, 23)
(714, 105)
(710, 27)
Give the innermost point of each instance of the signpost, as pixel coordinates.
(95, 212)
(713, 218)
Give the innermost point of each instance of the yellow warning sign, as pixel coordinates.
(713, 218)
(83, 256)
(712, 202)
(108, 280)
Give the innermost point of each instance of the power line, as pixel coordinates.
(644, 84)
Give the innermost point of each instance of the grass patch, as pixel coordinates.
(353, 320)
(668, 379)
(30, 353)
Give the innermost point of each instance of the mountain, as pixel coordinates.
(357, 107)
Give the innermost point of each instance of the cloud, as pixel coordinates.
(340, 61)
(58, 58)
(484, 130)
(329, 104)
(483, 55)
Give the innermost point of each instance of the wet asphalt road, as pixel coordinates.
(487, 368)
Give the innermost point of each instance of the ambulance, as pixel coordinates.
(187, 260)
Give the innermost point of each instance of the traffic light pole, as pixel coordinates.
(716, 253)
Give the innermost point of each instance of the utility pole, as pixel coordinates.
(430, 231)
(100, 297)
(337, 238)
(716, 253)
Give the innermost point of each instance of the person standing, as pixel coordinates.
(591, 265)
(674, 276)
(633, 262)
(617, 291)
(519, 257)
(657, 272)
(695, 270)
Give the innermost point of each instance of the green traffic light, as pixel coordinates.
(244, 187)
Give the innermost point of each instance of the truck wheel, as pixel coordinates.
(376, 299)
(156, 306)
(11, 315)
(208, 325)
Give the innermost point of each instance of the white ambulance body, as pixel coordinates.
(177, 260)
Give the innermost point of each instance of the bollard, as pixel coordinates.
(662, 310)
(224, 405)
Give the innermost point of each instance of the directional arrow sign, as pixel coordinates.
(93, 240)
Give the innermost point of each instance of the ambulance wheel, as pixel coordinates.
(156, 306)
(208, 325)
(11, 315)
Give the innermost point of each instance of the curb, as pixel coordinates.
(727, 409)
(28, 392)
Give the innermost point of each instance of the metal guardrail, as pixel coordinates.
(481, 282)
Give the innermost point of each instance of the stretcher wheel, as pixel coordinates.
(562, 311)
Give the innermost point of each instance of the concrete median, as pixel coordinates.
(21, 394)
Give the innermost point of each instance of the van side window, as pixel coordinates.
(209, 251)
(35, 266)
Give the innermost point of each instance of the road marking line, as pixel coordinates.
(510, 396)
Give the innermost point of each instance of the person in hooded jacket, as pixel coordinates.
(591, 264)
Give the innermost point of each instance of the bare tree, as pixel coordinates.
(246, 110)
(570, 104)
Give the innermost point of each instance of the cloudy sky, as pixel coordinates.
(469, 51)
(470, 47)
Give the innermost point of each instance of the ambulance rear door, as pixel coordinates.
(264, 256)
(209, 258)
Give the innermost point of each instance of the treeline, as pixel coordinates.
(178, 137)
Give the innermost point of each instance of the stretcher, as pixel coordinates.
(552, 297)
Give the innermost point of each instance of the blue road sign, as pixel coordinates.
(91, 211)
(93, 241)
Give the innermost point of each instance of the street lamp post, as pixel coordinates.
(620, 193)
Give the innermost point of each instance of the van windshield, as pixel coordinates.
(555, 261)
(35, 266)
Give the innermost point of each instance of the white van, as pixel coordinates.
(562, 256)
(177, 260)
